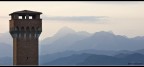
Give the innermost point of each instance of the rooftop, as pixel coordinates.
(26, 12)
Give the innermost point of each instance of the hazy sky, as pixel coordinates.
(123, 18)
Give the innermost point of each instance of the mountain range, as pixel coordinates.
(93, 59)
(77, 41)
(68, 47)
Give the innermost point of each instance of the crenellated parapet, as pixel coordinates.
(25, 24)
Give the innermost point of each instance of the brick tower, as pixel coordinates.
(25, 28)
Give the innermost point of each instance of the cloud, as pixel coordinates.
(76, 18)
(82, 19)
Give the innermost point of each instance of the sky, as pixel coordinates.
(120, 17)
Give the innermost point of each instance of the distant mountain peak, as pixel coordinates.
(104, 33)
(64, 31)
(84, 33)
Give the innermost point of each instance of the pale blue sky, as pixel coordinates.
(124, 18)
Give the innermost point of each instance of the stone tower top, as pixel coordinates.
(25, 14)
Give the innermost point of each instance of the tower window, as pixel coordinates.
(30, 17)
(27, 29)
(22, 28)
(17, 28)
(20, 17)
(27, 58)
(33, 29)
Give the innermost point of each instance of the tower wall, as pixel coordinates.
(25, 51)
(25, 33)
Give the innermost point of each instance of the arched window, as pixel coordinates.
(27, 29)
(32, 29)
(22, 32)
(22, 28)
(38, 29)
(16, 31)
(17, 28)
